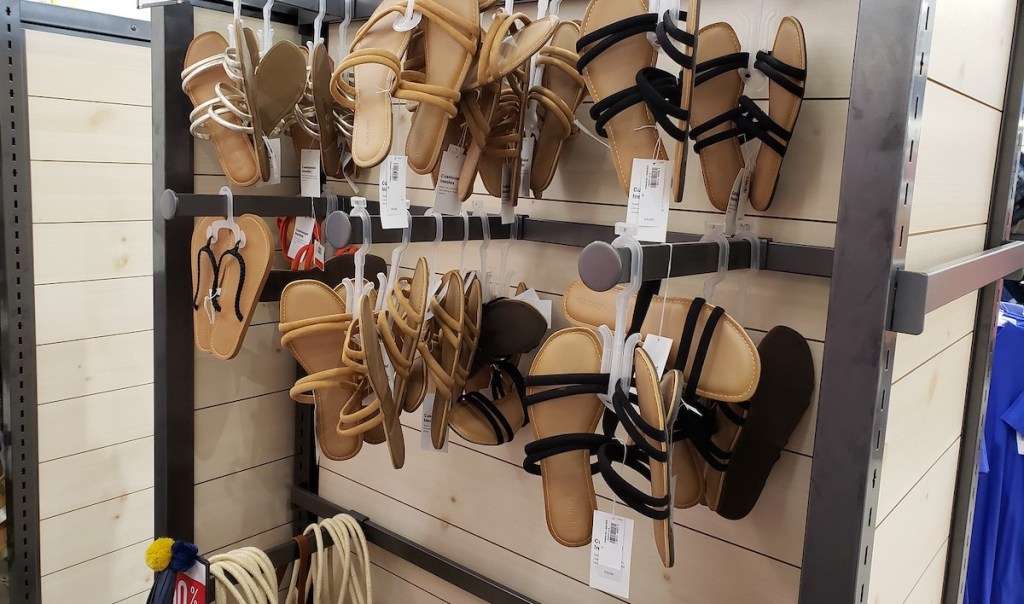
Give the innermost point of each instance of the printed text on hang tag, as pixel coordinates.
(309, 173)
(392, 193)
(446, 192)
(649, 198)
(302, 234)
(611, 550)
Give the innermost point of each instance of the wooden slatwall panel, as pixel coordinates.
(476, 505)
(90, 125)
(967, 76)
(244, 417)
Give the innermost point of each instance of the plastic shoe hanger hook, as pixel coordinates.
(387, 283)
(350, 9)
(357, 290)
(716, 233)
(484, 275)
(267, 34)
(318, 24)
(228, 223)
(620, 362)
(465, 242)
(759, 26)
(410, 19)
(435, 278)
(503, 287)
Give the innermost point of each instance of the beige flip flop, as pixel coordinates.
(440, 349)
(558, 96)
(563, 421)
(313, 321)
(241, 273)
(206, 81)
(786, 69)
(610, 70)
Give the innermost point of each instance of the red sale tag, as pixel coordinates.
(190, 587)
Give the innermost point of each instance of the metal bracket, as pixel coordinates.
(919, 293)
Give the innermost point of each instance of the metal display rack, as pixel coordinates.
(871, 298)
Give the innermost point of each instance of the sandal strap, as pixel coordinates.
(730, 414)
(638, 429)
(206, 249)
(662, 95)
(544, 448)
(712, 68)
(756, 124)
(555, 106)
(571, 384)
(233, 252)
(735, 131)
(663, 83)
(780, 72)
(656, 508)
(503, 431)
(605, 37)
(668, 32)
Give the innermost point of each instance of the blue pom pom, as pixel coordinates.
(183, 556)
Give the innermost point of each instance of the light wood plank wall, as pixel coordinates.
(476, 505)
(89, 129)
(966, 82)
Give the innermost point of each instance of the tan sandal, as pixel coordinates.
(313, 321)
(440, 349)
(558, 96)
(401, 329)
(204, 271)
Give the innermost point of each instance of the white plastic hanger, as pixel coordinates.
(505, 283)
(267, 35)
(410, 19)
(356, 290)
(531, 126)
(229, 222)
(465, 241)
(620, 361)
(435, 278)
(350, 9)
(318, 23)
(484, 275)
(386, 284)
(236, 8)
(755, 38)
(715, 233)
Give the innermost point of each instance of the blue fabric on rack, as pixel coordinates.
(995, 572)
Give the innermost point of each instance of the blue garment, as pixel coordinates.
(995, 572)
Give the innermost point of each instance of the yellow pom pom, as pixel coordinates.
(158, 555)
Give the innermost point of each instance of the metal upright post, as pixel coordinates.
(886, 103)
(175, 371)
(17, 319)
(1000, 214)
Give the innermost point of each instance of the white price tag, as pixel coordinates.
(318, 254)
(658, 348)
(428, 411)
(273, 146)
(446, 193)
(309, 173)
(392, 193)
(526, 166)
(302, 235)
(1020, 443)
(611, 548)
(649, 194)
(543, 306)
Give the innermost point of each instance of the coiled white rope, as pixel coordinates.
(244, 576)
(338, 574)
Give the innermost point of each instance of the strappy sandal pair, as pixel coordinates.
(724, 118)
(491, 411)
(631, 95)
(228, 276)
(241, 100)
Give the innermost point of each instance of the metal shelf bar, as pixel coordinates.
(919, 293)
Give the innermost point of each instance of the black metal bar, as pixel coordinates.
(886, 104)
(602, 266)
(468, 580)
(72, 21)
(1000, 216)
(174, 375)
(293, 12)
(18, 320)
(919, 293)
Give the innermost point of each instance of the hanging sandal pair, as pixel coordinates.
(228, 276)
(239, 99)
(724, 119)
(631, 95)
(449, 30)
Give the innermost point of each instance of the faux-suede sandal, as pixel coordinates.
(313, 320)
(564, 419)
(734, 366)
(242, 270)
(613, 50)
(755, 433)
(440, 349)
(786, 69)
(716, 94)
(558, 96)
(208, 82)
(279, 83)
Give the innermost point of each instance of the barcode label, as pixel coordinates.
(655, 180)
(611, 549)
(394, 171)
(393, 200)
(613, 534)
